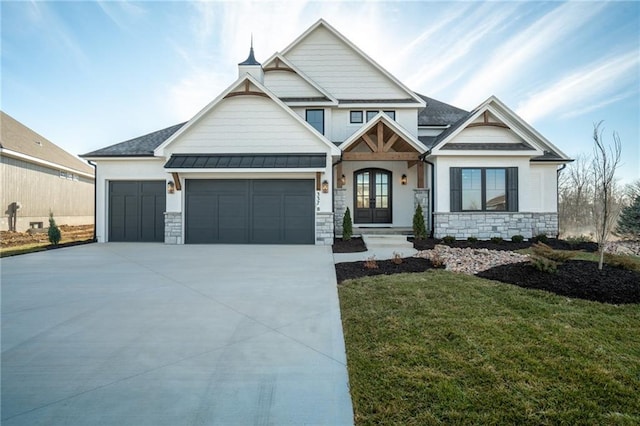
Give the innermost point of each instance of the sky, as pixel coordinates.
(88, 74)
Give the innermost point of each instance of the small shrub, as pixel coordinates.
(54, 231)
(347, 226)
(472, 240)
(621, 261)
(541, 238)
(436, 260)
(544, 264)
(397, 258)
(448, 239)
(419, 230)
(517, 238)
(371, 263)
(496, 240)
(543, 250)
(576, 240)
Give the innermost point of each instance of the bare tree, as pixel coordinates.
(605, 209)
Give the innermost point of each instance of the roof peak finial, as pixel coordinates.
(251, 60)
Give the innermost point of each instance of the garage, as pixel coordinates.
(250, 211)
(136, 211)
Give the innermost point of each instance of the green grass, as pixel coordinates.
(444, 348)
(633, 261)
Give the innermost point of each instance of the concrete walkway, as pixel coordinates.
(152, 334)
(379, 246)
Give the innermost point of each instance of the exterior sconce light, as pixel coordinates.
(343, 179)
(325, 187)
(403, 179)
(171, 187)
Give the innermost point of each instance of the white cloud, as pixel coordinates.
(583, 90)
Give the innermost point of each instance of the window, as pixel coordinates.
(315, 117)
(355, 117)
(484, 189)
(371, 114)
(391, 114)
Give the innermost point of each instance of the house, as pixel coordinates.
(39, 177)
(280, 154)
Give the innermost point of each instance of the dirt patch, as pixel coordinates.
(575, 278)
(354, 245)
(69, 233)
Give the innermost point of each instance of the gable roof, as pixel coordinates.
(18, 139)
(392, 124)
(142, 146)
(244, 80)
(437, 113)
(516, 124)
(322, 23)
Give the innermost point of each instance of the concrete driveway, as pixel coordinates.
(152, 334)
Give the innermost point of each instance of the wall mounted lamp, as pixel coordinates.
(171, 187)
(343, 180)
(325, 186)
(403, 179)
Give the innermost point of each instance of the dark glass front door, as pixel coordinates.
(372, 196)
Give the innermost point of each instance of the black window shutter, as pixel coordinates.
(512, 189)
(455, 184)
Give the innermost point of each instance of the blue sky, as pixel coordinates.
(90, 74)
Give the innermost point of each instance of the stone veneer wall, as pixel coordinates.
(173, 228)
(324, 228)
(485, 225)
(421, 196)
(339, 208)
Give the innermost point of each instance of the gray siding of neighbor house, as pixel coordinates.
(40, 190)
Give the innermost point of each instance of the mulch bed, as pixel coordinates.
(575, 278)
(354, 245)
(430, 243)
(351, 270)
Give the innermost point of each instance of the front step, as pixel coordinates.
(386, 240)
(362, 230)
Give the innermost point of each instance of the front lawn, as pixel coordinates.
(445, 348)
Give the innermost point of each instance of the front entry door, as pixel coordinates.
(372, 196)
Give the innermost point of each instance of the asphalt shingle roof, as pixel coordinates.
(438, 113)
(142, 146)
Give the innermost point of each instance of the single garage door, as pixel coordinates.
(258, 211)
(136, 210)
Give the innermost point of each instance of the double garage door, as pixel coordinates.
(239, 211)
(250, 211)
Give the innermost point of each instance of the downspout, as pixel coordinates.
(333, 198)
(95, 198)
(432, 192)
(564, 166)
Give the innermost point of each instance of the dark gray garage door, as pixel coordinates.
(268, 211)
(136, 210)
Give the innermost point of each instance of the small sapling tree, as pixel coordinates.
(605, 209)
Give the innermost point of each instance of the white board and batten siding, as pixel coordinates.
(487, 134)
(246, 124)
(340, 70)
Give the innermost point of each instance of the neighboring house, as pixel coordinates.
(318, 127)
(39, 177)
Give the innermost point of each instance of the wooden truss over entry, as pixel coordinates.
(382, 143)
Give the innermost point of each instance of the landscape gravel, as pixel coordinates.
(470, 260)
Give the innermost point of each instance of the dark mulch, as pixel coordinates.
(17, 252)
(350, 270)
(354, 245)
(430, 243)
(575, 278)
